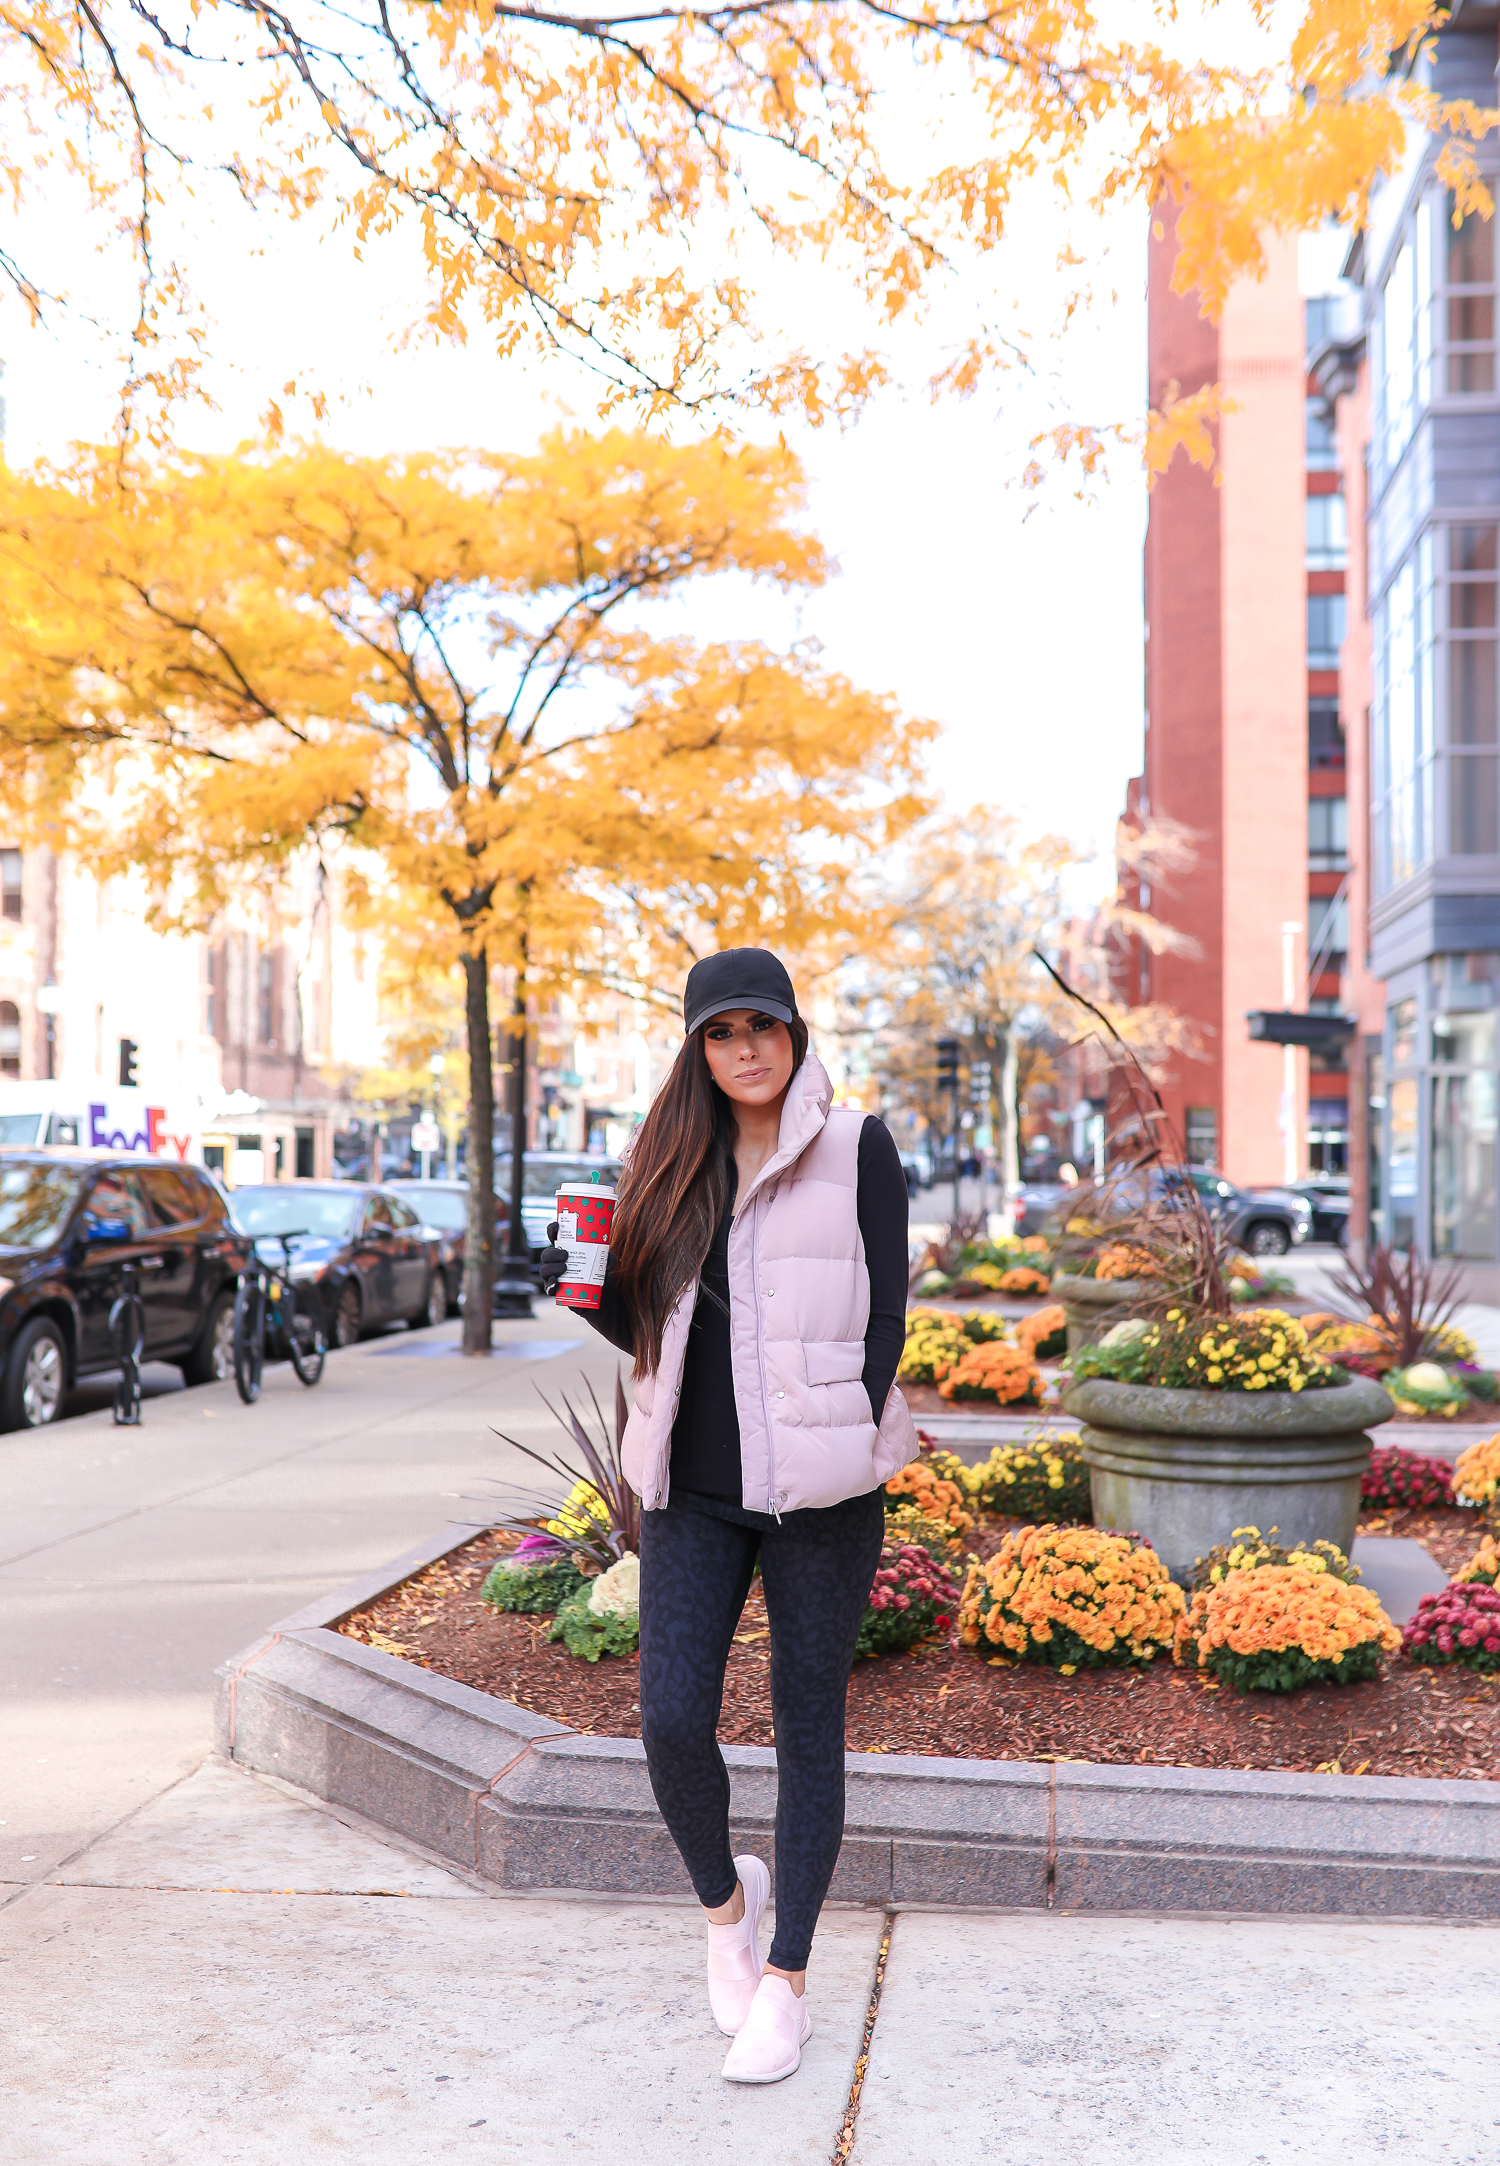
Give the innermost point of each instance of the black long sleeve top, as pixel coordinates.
(706, 1432)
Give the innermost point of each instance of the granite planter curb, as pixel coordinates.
(1093, 1305)
(531, 1805)
(1186, 1467)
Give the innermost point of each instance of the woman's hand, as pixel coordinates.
(554, 1262)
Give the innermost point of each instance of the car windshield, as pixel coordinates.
(444, 1208)
(34, 1203)
(328, 1212)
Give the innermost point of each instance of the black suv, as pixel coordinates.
(70, 1221)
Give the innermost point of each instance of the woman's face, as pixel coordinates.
(749, 1055)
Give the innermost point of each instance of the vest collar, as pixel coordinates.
(808, 1098)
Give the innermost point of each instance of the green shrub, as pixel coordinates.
(534, 1588)
(582, 1633)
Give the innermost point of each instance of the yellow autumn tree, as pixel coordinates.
(614, 185)
(448, 666)
(957, 958)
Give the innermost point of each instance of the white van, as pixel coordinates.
(97, 1117)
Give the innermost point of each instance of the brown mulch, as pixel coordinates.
(947, 1700)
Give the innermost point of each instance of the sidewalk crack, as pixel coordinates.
(843, 2148)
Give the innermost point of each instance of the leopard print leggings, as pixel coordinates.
(697, 1559)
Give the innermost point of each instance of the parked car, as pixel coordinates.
(361, 1249)
(1327, 1197)
(1035, 1202)
(1262, 1223)
(544, 1172)
(70, 1222)
(443, 1208)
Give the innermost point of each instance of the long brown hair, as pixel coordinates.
(673, 1192)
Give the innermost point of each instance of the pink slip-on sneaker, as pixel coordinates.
(770, 2041)
(734, 1958)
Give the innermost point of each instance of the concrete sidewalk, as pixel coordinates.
(133, 1561)
(236, 1974)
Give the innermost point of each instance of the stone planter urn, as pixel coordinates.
(1184, 1468)
(1094, 1304)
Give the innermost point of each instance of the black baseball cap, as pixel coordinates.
(739, 978)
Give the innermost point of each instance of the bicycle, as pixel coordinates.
(264, 1299)
(127, 1326)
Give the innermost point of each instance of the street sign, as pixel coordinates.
(426, 1136)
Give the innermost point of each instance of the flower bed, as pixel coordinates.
(1412, 1721)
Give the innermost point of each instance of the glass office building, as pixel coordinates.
(1434, 725)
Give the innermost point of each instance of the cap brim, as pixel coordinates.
(700, 1016)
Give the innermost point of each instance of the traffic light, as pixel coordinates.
(979, 1083)
(128, 1051)
(947, 1064)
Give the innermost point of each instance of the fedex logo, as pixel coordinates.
(153, 1137)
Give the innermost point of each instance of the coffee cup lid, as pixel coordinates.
(584, 1188)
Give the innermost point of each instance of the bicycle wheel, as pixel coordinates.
(306, 1343)
(249, 1337)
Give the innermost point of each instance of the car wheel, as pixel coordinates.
(346, 1316)
(1268, 1239)
(435, 1310)
(34, 1377)
(212, 1359)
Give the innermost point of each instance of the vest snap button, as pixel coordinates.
(781, 1394)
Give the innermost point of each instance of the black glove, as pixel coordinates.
(554, 1262)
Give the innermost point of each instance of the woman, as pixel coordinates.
(757, 1274)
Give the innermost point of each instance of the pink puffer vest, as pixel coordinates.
(799, 1301)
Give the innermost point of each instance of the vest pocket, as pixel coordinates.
(831, 1363)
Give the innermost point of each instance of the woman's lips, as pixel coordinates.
(752, 1075)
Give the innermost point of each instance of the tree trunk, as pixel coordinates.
(479, 1237)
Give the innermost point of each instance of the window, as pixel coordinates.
(115, 1198)
(10, 885)
(1322, 453)
(1327, 534)
(305, 1168)
(1325, 734)
(377, 1215)
(266, 987)
(1401, 733)
(1463, 1164)
(1401, 1188)
(10, 1038)
(1398, 352)
(1473, 710)
(402, 1214)
(1403, 1028)
(1203, 1135)
(173, 1199)
(1327, 834)
(1325, 626)
(1469, 306)
(1328, 928)
(1464, 1040)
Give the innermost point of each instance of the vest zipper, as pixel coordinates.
(760, 1352)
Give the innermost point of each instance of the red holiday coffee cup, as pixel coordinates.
(585, 1214)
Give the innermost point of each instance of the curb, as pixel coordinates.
(531, 1805)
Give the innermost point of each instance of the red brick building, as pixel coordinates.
(1244, 592)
